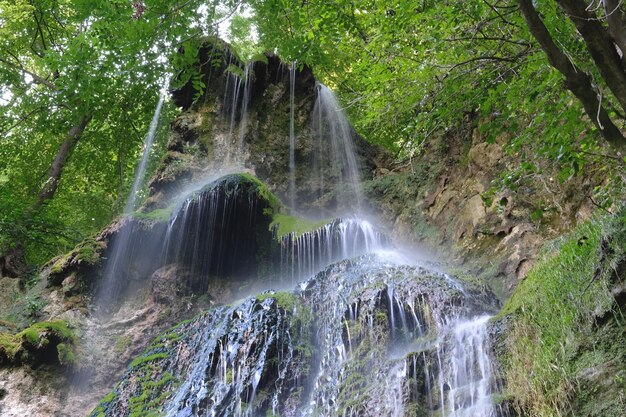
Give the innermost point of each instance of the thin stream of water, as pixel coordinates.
(292, 138)
(121, 246)
(332, 125)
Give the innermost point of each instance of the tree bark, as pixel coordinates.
(600, 46)
(56, 168)
(577, 81)
(615, 19)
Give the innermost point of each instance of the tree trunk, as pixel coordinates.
(13, 264)
(600, 46)
(577, 81)
(56, 168)
(615, 19)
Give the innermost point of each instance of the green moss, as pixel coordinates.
(550, 317)
(156, 215)
(66, 354)
(285, 300)
(109, 397)
(289, 224)
(60, 264)
(147, 358)
(87, 252)
(58, 327)
(15, 347)
(264, 192)
(173, 337)
(152, 396)
(9, 346)
(559, 273)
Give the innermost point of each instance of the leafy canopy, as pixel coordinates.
(60, 61)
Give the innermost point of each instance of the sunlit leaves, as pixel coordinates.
(60, 60)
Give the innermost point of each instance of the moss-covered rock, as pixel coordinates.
(223, 231)
(284, 224)
(43, 342)
(85, 254)
(199, 347)
(561, 335)
(156, 215)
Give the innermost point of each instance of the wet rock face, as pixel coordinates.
(360, 338)
(215, 131)
(218, 233)
(222, 231)
(252, 357)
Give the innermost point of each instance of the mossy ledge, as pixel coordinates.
(284, 224)
(156, 215)
(44, 342)
(86, 253)
(264, 192)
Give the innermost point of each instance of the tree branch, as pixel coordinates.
(22, 120)
(37, 78)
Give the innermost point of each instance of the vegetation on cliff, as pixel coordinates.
(43, 342)
(563, 346)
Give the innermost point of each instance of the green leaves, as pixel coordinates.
(61, 60)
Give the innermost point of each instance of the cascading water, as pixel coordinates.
(149, 141)
(468, 374)
(331, 124)
(292, 137)
(243, 124)
(218, 232)
(122, 245)
(364, 337)
(361, 334)
(235, 105)
(122, 248)
(304, 255)
(233, 86)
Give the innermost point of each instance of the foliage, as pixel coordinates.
(61, 61)
(403, 70)
(398, 65)
(406, 70)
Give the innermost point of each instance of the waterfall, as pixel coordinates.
(122, 246)
(217, 232)
(363, 337)
(373, 295)
(147, 148)
(332, 125)
(234, 83)
(243, 124)
(359, 331)
(235, 105)
(467, 371)
(233, 359)
(304, 255)
(292, 138)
